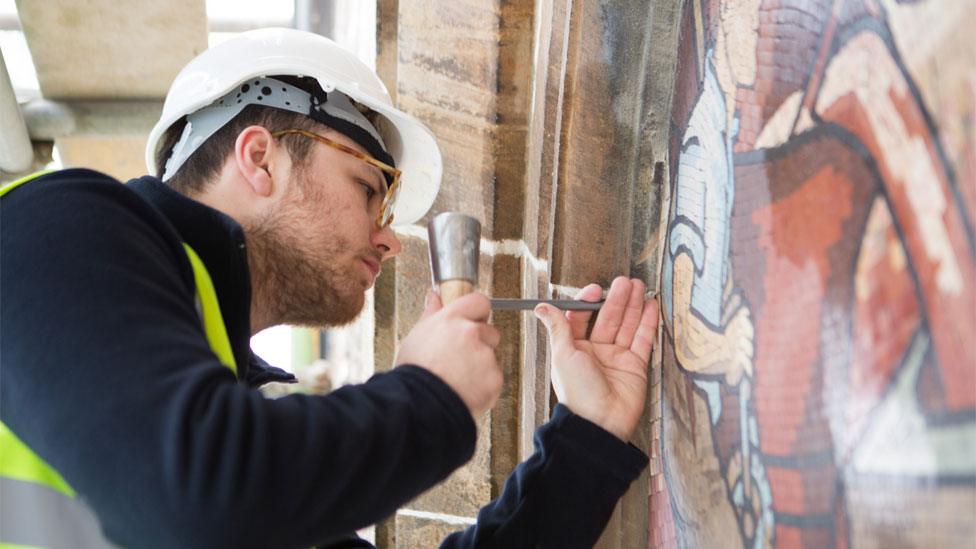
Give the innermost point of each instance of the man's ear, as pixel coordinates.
(254, 154)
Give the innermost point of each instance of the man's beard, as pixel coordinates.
(296, 282)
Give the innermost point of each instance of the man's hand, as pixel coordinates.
(604, 378)
(457, 344)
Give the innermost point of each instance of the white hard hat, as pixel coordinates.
(279, 51)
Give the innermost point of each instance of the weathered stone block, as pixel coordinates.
(418, 532)
(467, 489)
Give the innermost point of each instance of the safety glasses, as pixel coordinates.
(385, 217)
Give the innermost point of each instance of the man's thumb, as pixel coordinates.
(556, 325)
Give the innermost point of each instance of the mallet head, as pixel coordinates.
(454, 241)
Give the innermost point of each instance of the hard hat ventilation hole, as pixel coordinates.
(257, 82)
(288, 103)
(260, 97)
(266, 90)
(245, 88)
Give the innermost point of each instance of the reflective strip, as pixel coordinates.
(213, 321)
(17, 461)
(7, 187)
(35, 515)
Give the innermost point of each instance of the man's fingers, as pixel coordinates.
(557, 326)
(632, 314)
(611, 314)
(474, 306)
(646, 331)
(432, 304)
(579, 320)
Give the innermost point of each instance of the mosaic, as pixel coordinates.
(819, 280)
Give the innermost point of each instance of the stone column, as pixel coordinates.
(461, 67)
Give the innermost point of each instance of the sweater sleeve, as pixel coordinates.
(108, 377)
(563, 495)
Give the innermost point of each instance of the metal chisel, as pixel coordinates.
(500, 304)
(510, 304)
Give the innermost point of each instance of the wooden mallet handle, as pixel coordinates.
(453, 289)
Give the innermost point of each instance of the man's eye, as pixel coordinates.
(370, 192)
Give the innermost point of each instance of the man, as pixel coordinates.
(127, 396)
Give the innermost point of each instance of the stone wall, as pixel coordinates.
(796, 177)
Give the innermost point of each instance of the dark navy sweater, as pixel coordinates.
(105, 373)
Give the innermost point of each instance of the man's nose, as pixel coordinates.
(386, 241)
